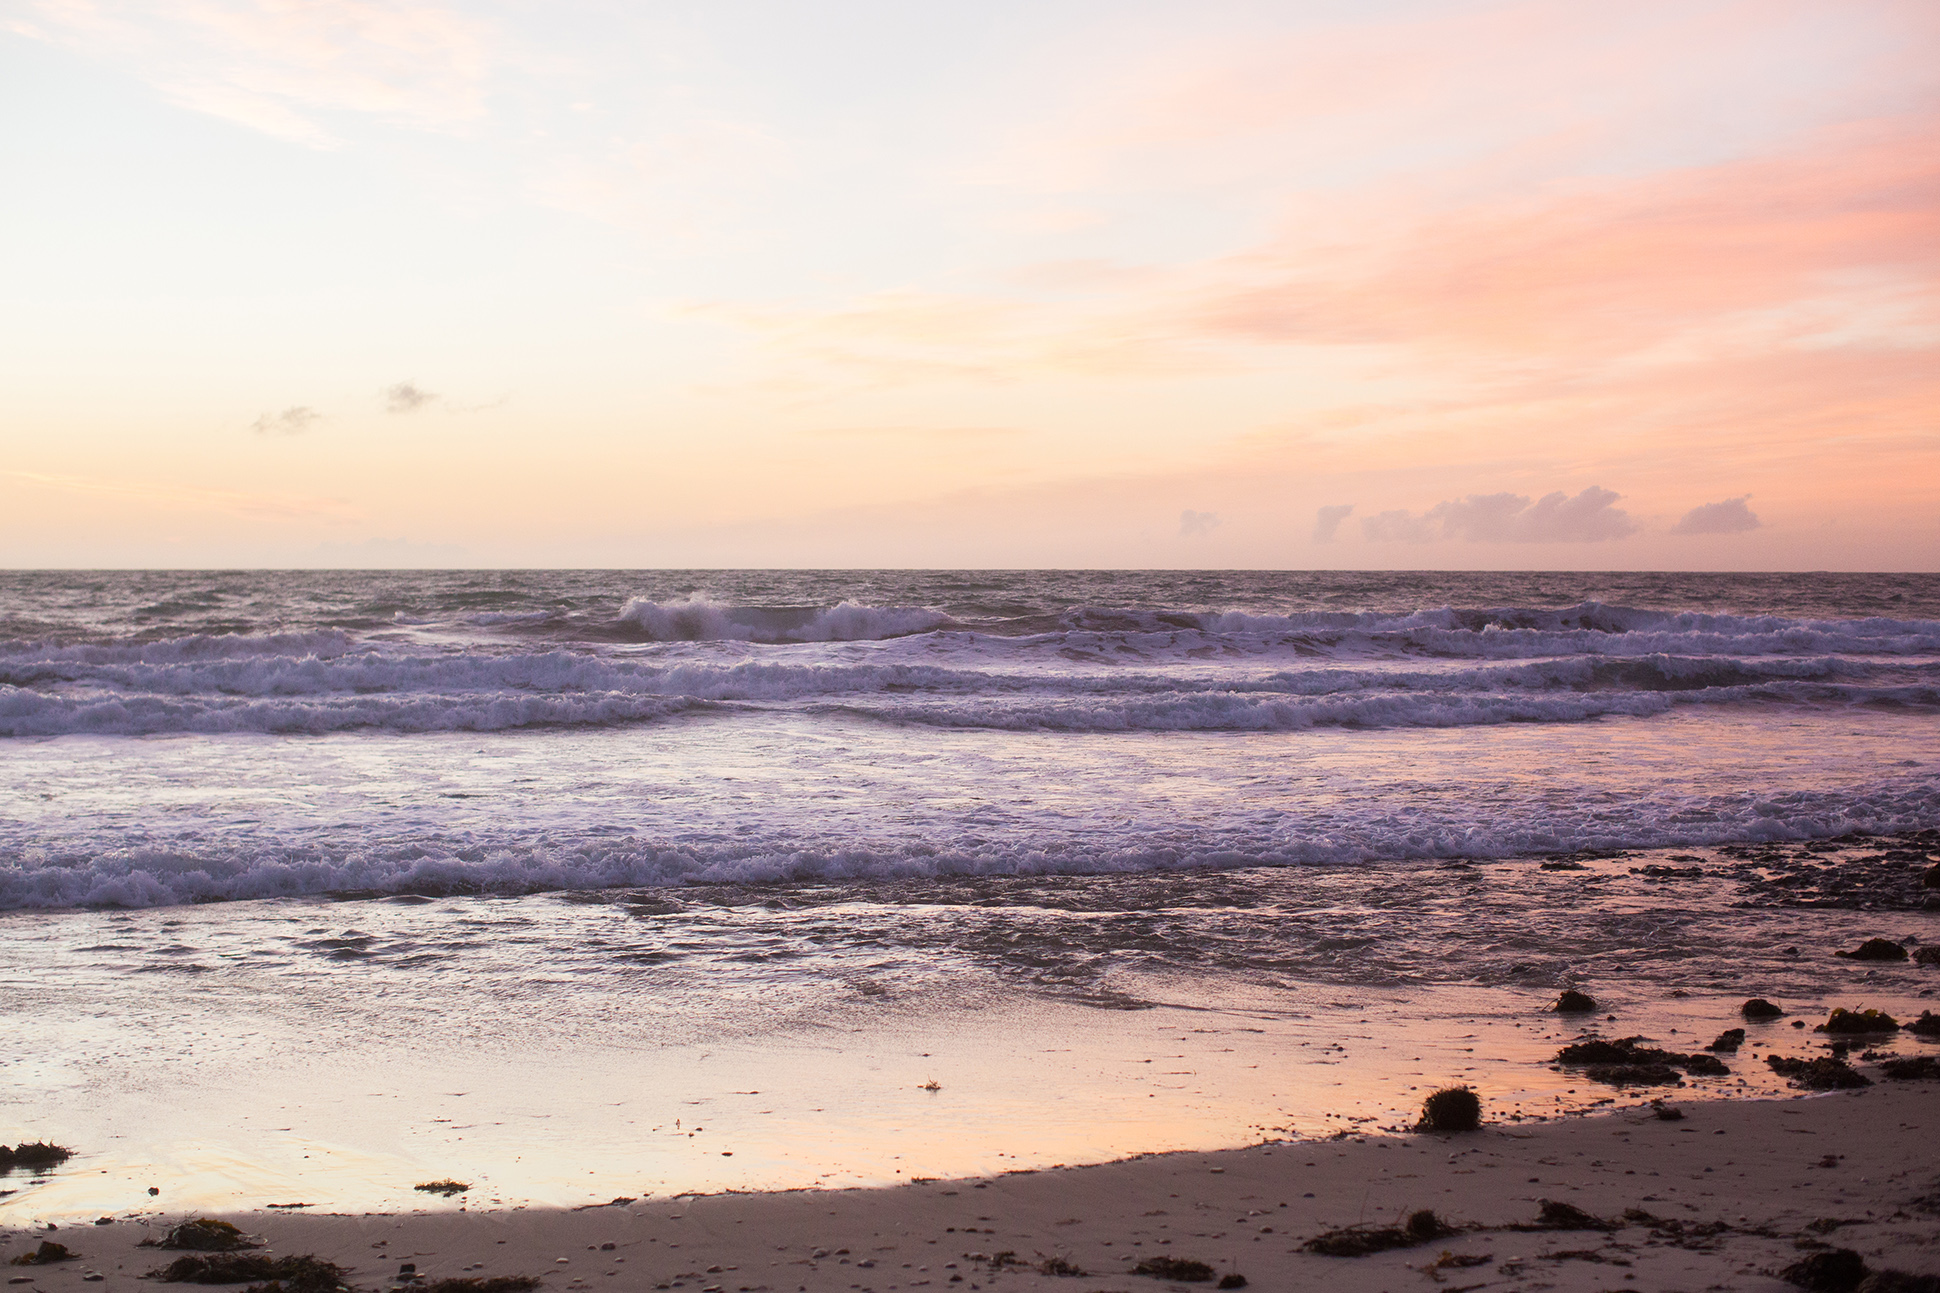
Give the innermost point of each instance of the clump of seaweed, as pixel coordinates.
(1178, 1269)
(1060, 1266)
(1625, 1062)
(304, 1274)
(1759, 1008)
(47, 1254)
(31, 1155)
(1843, 1020)
(1454, 1108)
(445, 1187)
(1906, 1070)
(1927, 1025)
(203, 1235)
(1232, 1280)
(1728, 1040)
(1573, 1002)
(1554, 1215)
(1837, 1270)
(1876, 949)
(1826, 1074)
(1360, 1241)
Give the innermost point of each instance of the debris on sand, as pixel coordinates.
(1360, 1241)
(1827, 1074)
(1906, 1070)
(1454, 1108)
(1573, 1002)
(1177, 1269)
(1876, 949)
(1759, 1008)
(305, 1274)
(1625, 1062)
(32, 1154)
(1060, 1266)
(47, 1254)
(1837, 1270)
(473, 1284)
(445, 1187)
(1858, 1021)
(1554, 1215)
(203, 1235)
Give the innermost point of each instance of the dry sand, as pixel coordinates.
(1740, 1190)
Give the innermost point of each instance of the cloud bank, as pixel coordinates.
(1729, 517)
(291, 421)
(1589, 517)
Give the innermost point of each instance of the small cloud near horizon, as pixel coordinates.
(291, 421)
(1728, 517)
(1589, 517)
(406, 397)
(1327, 521)
(1192, 523)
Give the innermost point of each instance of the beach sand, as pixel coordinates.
(1738, 1190)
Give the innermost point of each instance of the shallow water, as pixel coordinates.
(318, 885)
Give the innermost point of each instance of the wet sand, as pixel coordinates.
(1734, 1192)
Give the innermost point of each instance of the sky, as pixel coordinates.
(1421, 284)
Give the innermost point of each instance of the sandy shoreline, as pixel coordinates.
(1855, 1170)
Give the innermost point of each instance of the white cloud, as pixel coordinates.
(406, 397)
(1327, 520)
(1729, 517)
(1192, 523)
(1589, 517)
(291, 421)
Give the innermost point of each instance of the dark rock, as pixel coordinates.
(1454, 1108)
(1876, 949)
(1624, 1062)
(1858, 1021)
(1929, 955)
(1818, 1075)
(1759, 1008)
(1705, 1066)
(1837, 1270)
(1573, 1002)
(1728, 1040)
(1930, 878)
(1232, 1281)
(1176, 1269)
(1665, 1112)
(1927, 1025)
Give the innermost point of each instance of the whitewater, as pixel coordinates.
(184, 737)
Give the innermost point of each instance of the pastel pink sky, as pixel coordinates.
(1406, 284)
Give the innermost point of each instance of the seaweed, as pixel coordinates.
(47, 1254)
(1060, 1266)
(1906, 1070)
(1360, 1241)
(1759, 1008)
(1454, 1108)
(1827, 1074)
(1927, 1025)
(1728, 1040)
(1837, 1270)
(304, 1274)
(205, 1235)
(1843, 1020)
(1573, 1002)
(32, 1155)
(445, 1187)
(1179, 1269)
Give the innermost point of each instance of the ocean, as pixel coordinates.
(938, 861)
